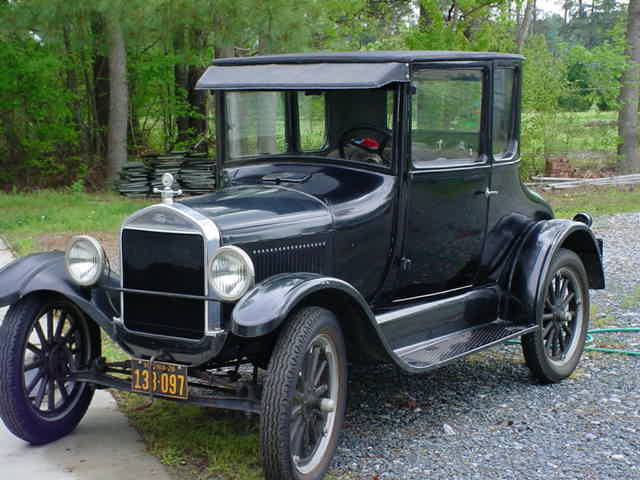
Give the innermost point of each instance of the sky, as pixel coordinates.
(551, 6)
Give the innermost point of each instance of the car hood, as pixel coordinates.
(253, 213)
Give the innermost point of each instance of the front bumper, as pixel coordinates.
(238, 395)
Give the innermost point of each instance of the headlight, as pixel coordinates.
(85, 260)
(231, 273)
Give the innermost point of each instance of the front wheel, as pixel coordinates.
(552, 352)
(43, 339)
(304, 397)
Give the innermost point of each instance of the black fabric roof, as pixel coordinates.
(405, 56)
(307, 76)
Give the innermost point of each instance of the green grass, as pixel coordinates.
(595, 201)
(197, 442)
(26, 216)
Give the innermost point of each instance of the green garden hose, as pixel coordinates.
(590, 334)
(595, 331)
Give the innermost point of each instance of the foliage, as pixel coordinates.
(590, 24)
(54, 84)
(33, 128)
(593, 74)
(462, 25)
(544, 83)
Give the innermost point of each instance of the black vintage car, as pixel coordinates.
(369, 209)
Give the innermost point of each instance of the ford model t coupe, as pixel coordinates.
(368, 209)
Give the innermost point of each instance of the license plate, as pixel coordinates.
(164, 379)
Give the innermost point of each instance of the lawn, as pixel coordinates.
(594, 200)
(198, 443)
(27, 217)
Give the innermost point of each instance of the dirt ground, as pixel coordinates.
(59, 241)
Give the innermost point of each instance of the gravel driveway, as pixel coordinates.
(484, 417)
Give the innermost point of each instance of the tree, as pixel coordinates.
(118, 98)
(628, 115)
(456, 25)
(525, 25)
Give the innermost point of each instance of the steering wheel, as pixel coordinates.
(368, 140)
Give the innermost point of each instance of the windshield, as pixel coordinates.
(354, 125)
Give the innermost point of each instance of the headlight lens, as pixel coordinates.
(85, 260)
(231, 273)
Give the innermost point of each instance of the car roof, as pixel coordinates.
(303, 76)
(378, 56)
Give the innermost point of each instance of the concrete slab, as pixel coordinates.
(5, 257)
(103, 447)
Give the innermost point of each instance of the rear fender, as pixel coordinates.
(46, 272)
(534, 258)
(267, 306)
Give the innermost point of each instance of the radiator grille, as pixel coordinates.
(163, 262)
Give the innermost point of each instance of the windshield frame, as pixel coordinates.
(292, 135)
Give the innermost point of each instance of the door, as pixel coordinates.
(448, 180)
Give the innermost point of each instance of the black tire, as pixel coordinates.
(311, 346)
(49, 333)
(553, 351)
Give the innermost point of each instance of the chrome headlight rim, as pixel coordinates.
(250, 269)
(99, 253)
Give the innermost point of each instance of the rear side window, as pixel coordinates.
(503, 114)
(313, 132)
(446, 112)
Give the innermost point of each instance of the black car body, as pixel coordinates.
(395, 206)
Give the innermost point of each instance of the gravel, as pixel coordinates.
(484, 417)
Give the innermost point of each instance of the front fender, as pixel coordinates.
(534, 259)
(46, 272)
(266, 306)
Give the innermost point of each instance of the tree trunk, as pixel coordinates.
(423, 17)
(628, 160)
(181, 80)
(198, 101)
(72, 87)
(118, 100)
(197, 98)
(523, 31)
(100, 86)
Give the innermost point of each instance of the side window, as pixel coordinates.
(503, 124)
(313, 133)
(446, 112)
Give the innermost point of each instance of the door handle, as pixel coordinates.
(488, 192)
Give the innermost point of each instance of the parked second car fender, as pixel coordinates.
(532, 263)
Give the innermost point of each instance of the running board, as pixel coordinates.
(439, 351)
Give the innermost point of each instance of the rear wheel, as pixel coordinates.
(43, 339)
(304, 397)
(552, 352)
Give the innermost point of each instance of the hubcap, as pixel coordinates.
(314, 404)
(55, 346)
(562, 316)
